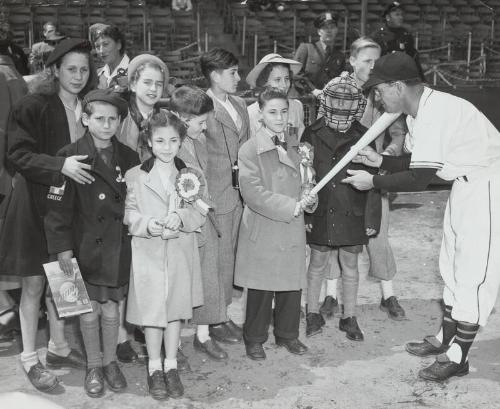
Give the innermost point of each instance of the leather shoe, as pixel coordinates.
(94, 382)
(41, 379)
(156, 385)
(314, 322)
(255, 351)
(223, 333)
(429, 346)
(125, 353)
(443, 369)
(182, 362)
(114, 377)
(293, 346)
(211, 348)
(12, 326)
(350, 326)
(74, 360)
(330, 307)
(175, 389)
(393, 309)
(234, 329)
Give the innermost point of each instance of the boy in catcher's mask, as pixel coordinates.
(345, 217)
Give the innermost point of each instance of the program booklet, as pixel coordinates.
(69, 293)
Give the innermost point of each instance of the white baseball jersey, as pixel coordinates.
(451, 135)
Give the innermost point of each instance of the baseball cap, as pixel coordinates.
(325, 18)
(107, 95)
(397, 66)
(391, 7)
(65, 46)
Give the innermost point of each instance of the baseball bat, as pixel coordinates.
(371, 134)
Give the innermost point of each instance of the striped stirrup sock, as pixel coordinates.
(449, 326)
(466, 332)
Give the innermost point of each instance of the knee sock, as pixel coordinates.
(28, 360)
(109, 338)
(92, 342)
(169, 364)
(387, 290)
(464, 338)
(350, 294)
(154, 365)
(448, 327)
(61, 348)
(202, 333)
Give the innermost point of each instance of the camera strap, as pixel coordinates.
(227, 146)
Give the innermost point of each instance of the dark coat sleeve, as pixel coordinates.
(24, 132)
(301, 56)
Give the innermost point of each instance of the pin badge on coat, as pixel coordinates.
(56, 192)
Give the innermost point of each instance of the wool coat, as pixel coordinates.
(165, 278)
(315, 64)
(271, 251)
(128, 134)
(88, 219)
(37, 129)
(223, 143)
(213, 310)
(343, 213)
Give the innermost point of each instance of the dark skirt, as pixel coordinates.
(103, 294)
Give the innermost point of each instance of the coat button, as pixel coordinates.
(331, 210)
(118, 218)
(100, 219)
(117, 198)
(98, 240)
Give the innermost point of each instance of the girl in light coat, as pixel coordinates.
(165, 281)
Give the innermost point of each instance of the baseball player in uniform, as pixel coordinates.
(452, 139)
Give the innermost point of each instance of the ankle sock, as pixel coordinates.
(109, 338)
(169, 364)
(202, 333)
(387, 290)
(29, 359)
(61, 348)
(154, 365)
(459, 350)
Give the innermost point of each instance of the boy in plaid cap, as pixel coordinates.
(345, 217)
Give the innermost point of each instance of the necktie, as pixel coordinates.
(278, 142)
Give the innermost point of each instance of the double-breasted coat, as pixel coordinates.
(165, 278)
(88, 219)
(343, 213)
(271, 251)
(37, 129)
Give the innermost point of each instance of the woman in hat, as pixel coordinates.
(147, 78)
(39, 126)
(277, 72)
(41, 51)
(109, 43)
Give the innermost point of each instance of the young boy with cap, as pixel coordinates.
(452, 139)
(86, 221)
(320, 61)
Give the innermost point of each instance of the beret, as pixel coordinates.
(325, 18)
(107, 95)
(147, 58)
(65, 46)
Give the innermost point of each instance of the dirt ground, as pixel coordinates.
(336, 372)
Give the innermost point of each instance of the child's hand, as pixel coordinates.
(309, 227)
(309, 200)
(64, 259)
(370, 232)
(155, 227)
(172, 221)
(298, 209)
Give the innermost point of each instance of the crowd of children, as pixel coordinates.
(109, 181)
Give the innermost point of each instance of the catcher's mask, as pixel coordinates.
(342, 102)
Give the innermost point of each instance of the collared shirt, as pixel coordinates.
(451, 135)
(231, 110)
(104, 71)
(295, 118)
(280, 136)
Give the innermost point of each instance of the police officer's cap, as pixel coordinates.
(325, 18)
(65, 46)
(108, 96)
(397, 66)
(395, 5)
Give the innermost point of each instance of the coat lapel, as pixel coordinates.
(242, 112)
(223, 116)
(265, 144)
